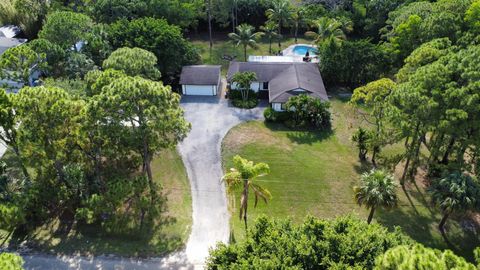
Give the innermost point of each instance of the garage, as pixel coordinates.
(200, 80)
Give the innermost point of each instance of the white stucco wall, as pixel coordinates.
(277, 107)
(255, 86)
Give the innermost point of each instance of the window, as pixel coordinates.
(265, 86)
(283, 107)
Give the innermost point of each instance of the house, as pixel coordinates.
(280, 81)
(200, 80)
(7, 41)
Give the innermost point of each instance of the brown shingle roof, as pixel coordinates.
(200, 75)
(284, 78)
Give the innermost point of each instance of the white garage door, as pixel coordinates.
(199, 90)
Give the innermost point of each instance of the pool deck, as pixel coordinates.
(289, 51)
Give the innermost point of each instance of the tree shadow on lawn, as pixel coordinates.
(301, 135)
(423, 228)
(93, 239)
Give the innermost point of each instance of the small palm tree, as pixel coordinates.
(281, 13)
(455, 193)
(377, 189)
(328, 30)
(361, 137)
(245, 37)
(242, 177)
(269, 30)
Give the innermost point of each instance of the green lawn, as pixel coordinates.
(168, 171)
(222, 46)
(314, 172)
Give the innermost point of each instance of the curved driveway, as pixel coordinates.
(211, 119)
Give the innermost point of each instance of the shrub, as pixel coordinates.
(270, 114)
(420, 257)
(11, 261)
(245, 104)
(236, 94)
(309, 111)
(237, 99)
(343, 243)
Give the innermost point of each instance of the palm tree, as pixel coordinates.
(242, 177)
(328, 30)
(377, 189)
(455, 193)
(245, 37)
(209, 15)
(281, 13)
(298, 20)
(269, 30)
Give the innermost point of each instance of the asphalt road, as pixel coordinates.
(211, 119)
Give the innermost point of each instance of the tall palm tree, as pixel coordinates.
(209, 18)
(242, 177)
(281, 13)
(298, 20)
(245, 37)
(269, 30)
(328, 30)
(455, 193)
(377, 189)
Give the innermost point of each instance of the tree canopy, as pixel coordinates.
(315, 244)
(133, 62)
(66, 28)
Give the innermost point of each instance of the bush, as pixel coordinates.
(420, 257)
(245, 104)
(236, 97)
(308, 111)
(236, 94)
(270, 115)
(343, 243)
(11, 261)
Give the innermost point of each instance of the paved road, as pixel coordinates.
(211, 119)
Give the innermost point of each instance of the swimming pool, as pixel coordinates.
(303, 49)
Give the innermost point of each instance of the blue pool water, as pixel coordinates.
(302, 50)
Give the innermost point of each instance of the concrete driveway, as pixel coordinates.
(211, 119)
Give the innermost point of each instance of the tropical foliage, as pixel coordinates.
(308, 111)
(10, 261)
(455, 193)
(420, 257)
(376, 190)
(245, 37)
(316, 244)
(242, 177)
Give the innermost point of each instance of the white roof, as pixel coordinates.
(9, 31)
(6, 43)
(275, 59)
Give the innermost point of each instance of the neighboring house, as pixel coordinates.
(200, 80)
(280, 81)
(7, 41)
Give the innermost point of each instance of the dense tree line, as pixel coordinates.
(87, 157)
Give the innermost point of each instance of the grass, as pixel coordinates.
(168, 171)
(222, 46)
(313, 173)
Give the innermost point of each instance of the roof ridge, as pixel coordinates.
(296, 77)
